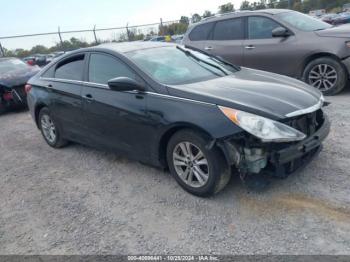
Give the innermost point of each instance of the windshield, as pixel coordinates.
(176, 66)
(303, 22)
(8, 65)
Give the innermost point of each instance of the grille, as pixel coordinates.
(308, 123)
(20, 91)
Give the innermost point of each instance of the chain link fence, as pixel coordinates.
(91, 36)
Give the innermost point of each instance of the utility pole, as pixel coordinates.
(94, 30)
(127, 31)
(2, 52)
(161, 27)
(289, 4)
(59, 35)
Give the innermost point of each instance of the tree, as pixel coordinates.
(226, 8)
(196, 18)
(245, 5)
(39, 49)
(272, 3)
(173, 29)
(207, 13)
(260, 5)
(184, 20)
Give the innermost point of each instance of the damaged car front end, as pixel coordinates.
(281, 155)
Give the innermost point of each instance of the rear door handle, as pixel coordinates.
(250, 47)
(89, 98)
(208, 48)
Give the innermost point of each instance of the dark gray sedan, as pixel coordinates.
(176, 108)
(280, 41)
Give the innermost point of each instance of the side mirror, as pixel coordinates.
(280, 32)
(125, 84)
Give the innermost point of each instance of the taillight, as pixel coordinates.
(27, 88)
(7, 96)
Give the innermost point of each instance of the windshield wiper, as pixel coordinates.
(220, 59)
(189, 53)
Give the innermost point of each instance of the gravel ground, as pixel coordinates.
(78, 200)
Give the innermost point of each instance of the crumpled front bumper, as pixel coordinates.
(276, 162)
(302, 148)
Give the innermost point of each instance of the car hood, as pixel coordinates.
(336, 31)
(18, 77)
(258, 92)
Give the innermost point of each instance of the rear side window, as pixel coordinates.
(201, 32)
(71, 69)
(104, 67)
(261, 27)
(231, 29)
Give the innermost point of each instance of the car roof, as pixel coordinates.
(7, 58)
(126, 47)
(272, 11)
(241, 13)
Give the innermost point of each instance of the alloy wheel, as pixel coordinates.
(191, 164)
(48, 128)
(323, 77)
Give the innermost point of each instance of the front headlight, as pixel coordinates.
(265, 129)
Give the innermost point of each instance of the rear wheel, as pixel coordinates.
(197, 169)
(50, 130)
(326, 74)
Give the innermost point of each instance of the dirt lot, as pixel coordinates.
(78, 200)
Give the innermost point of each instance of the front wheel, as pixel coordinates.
(197, 169)
(326, 74)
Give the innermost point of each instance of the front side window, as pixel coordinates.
(261, 27)
(70, 69)
(303, 22)
(201, 32)
(173, 66)
(103, 68)
(231, 29)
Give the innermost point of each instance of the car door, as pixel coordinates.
(199, 35)
(265, 52)
(116, 120)
(65, 86)
(227, 40)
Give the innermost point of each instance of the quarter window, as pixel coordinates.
(71, 69)
(104, 67)
(201, 32)
(231, 29)
(261, 27)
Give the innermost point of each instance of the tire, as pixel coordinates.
(45, 119)
(2, 108)
(323, 69)
(217, 171)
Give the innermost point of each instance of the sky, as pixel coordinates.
(37, 16)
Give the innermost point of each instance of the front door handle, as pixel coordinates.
(88, 98)
(250, 47)
(208, 48)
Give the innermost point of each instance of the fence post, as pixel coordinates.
(94, 30)
(59, 35)
(2, 52)
(161, 27)
(127, 31)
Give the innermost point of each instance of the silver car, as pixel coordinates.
(280, 41)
